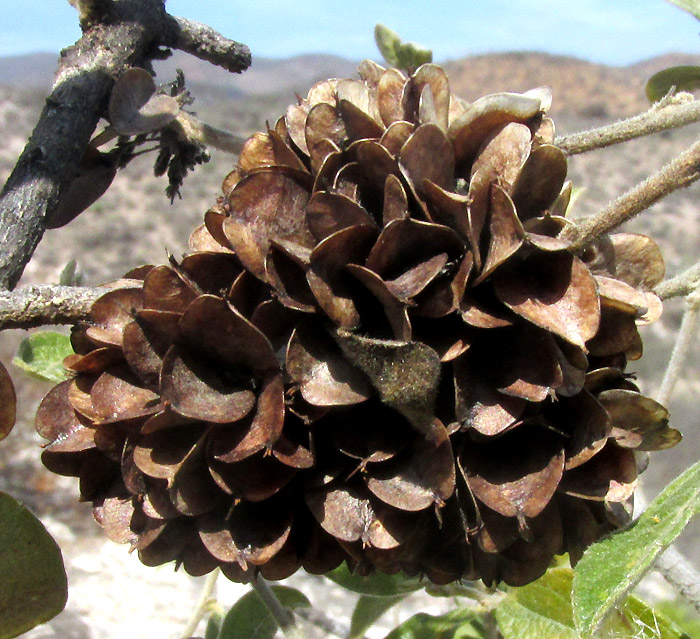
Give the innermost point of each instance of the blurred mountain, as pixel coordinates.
(581, 88)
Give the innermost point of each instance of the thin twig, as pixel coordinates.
(684, 340)
(208, 135)
(207, 44)
(328, 625)
(678, 571)
(203, 603)
(680, 110)
(682, 284)
(282, 616)
(679, 173)
(40, 305)
(672, 564)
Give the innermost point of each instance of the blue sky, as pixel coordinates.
(609, 31)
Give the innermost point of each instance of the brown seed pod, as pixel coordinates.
(380, 351)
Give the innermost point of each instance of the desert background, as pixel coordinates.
(134, 224)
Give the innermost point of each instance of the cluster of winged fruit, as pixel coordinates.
(379, 350)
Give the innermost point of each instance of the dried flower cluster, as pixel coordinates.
(379, 350)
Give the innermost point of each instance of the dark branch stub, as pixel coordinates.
(131, 35)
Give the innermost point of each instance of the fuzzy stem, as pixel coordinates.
(203, 603)
(681, 575)
(317, 618)
(34, 306)
(684, 340)
(674, 567)
(682, 284)
(680, 172)
(679, 110)
(282, 616)
(192, 129)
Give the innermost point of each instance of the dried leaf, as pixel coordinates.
(554, 291)
(520, 479)
(135, 108)
(196, 387)
(469, 130)
(427, 155)
(325, 377)
(327, 213)
(420, 477)
(327, 277)
(638, 422)
(540, 181)
(611, 475)
(8, 401)
(253, 533)
(264, 206)
(632, 258)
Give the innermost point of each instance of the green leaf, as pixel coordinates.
(250, 618)
(641, 621)
(613, 566)
(214, 622)
(377, 585)
(543, 609)
(387, 43)
(408, 55)
(683, 615)
(41, 355)
(33, 587)
(367, 610)
(540, 609)
(691, 6)
(71, 275)
(683, 78)
(462, 623)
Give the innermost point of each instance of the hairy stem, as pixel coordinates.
(675, 112)
(192, 129)
(40, 305)
(282, 616)
(672, 564)
(206, 597)
(682, 284)
(678, 571)
(680, 172)
(326, 624)
(684, 340)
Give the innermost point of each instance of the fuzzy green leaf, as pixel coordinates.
(387, 41)
(543, 609)
(33, 587)
(71, 274)
(612, 567)
(377, 585)
(643, 622)
(41, 355)
(462, 623)
(367, 610)
(540, 609)
(682, 614)
(683, 78)
(399, 54)
(249, 617)
(691, 6)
